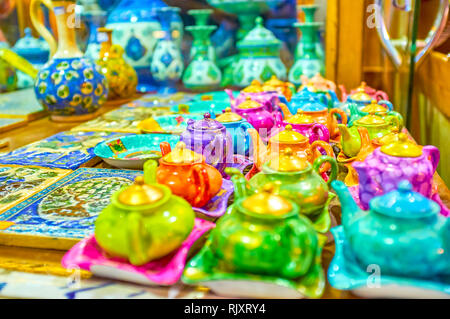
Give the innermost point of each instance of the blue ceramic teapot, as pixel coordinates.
(237, 126)
(403, 233)
(305, 96)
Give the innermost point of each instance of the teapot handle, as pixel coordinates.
(433, 154)
(322, 132)
(135, 233)
(165, 148)
(393, 120)
(332, 123)
(35, 9)
(334, 167)
(150, 168)
(389, 105)
(201, 178)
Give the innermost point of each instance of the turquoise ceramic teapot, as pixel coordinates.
(383, 109)
(403, 233)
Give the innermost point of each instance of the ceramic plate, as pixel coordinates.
(201, 107)
(202, 270)
(166, 271)
(217, 206)
(217, 96)
(132, 151)
(151, 100)
(26, 106)
(345, 273)
(168, 124)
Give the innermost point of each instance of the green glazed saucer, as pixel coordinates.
(204, 270)
(132, 151)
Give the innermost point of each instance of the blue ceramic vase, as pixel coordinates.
(137, 30)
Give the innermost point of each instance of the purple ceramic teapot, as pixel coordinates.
(400, 160)
(305, 125)
(261, 119)
(211, 139)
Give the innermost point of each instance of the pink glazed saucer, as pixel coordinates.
(87, 255)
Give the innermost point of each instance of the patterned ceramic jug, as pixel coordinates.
(144, 222)
(185, 173)
(211, 139)
(403, 233)
(402, 160)
(69, 85)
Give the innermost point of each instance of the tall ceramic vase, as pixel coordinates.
(167, 61)
(309, 63)
(201, 17)
(69, 85)
(202, 74)
(136, 28)
(310, 11)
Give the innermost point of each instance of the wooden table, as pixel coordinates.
(42, 261)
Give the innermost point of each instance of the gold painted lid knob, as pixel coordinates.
(254, 87)
(181, 155)
(360, 94)
(249, 104)
(228, 116)
(267, 203)
(403, 147)
(371, 119)
(374, 107)
(140, 194)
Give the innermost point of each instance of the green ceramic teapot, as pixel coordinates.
(376, 108)
(262, 238)
(297, 180)
(144, 222)
(376, 125)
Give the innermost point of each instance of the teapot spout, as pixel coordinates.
(231, 96)
(239, 181)
(344, 93)
(348, 204)
(259, 148)
(285, 109)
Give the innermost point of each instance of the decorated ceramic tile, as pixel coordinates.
(63, 213)
(17, 183)
(10, 124)
(67, 150)
(122, 120)
(21, 104)
(165, 271)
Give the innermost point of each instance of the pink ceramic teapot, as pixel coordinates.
(255, 113)
(268, 99)
(400, 160)
(305, 125)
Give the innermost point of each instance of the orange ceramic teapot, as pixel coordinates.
(185, 173)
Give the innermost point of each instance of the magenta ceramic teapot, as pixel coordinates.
(258, 116)
(211, 139)
(305, 125)
(400, 160)
(268, 99)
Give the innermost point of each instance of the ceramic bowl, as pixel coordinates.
(201, 107)
(345, 273)
(167, 124)
(132, 151)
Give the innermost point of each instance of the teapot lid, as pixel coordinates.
(313, 106)
(259, 36)
(249, 104)
(287, 161)
(388, 138)
(266, 203)
(274, 82)
(181, 155)
(228, 116)
(402, 147)
(140, 194)
(360, 94)
(404, 203)
(254, 87)
(300, 118)
(374, 107)
(28, 44)
(288, 136)
(371, 119)
(207, 123)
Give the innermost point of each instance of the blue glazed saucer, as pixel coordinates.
(345, 273)
(201, 107)
(217, 96)
(132, 151)
(167, 124)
